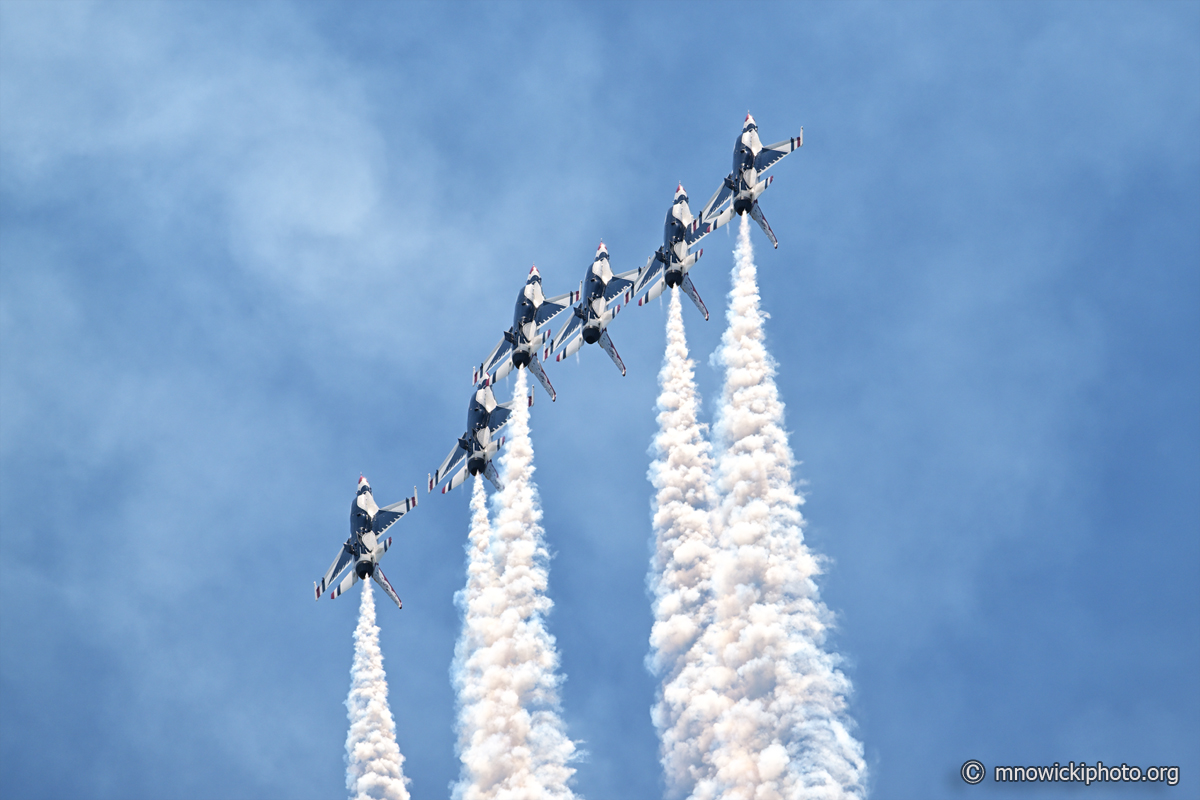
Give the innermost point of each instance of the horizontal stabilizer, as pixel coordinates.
(502, 371)
(570, 329)
(535, 366)
(344, 556)
(571, 349)
(607, 343)
(347, 582)
(720, 219)
(648, 273)
(386, 585)
(757, 214)
(456, 481)
(761, 187)
(654, 292)
(456, 457)
(490, 473)
(690, 289)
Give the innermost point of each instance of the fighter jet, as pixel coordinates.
(364, 549)
(478, 446)
(600, 291)
(521, 343)
(670, 263)
(739, 193)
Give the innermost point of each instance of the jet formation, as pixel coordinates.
(529, 342)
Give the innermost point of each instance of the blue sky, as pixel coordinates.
(248, 251)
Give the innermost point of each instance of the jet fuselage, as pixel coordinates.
(674, 252)
(523, 336)
(479, 435)
(595, 307)
(744, 175)
(364, 544)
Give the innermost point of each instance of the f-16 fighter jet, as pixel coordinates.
(670, 264)
(364, 549)
(521, 343)
(744, 184)
(601, 290)
(478, 446)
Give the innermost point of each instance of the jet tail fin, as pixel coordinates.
(607, 344)
(757, 214)
(690, 288)
(535, 366)
(386, 585)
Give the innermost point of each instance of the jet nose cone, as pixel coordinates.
(680, 192)
(533, 273)
(601, 250)
(362, 481)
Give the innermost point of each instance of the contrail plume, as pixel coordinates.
(511, 740)
(784, 731)
(373, 761)
(680, 568)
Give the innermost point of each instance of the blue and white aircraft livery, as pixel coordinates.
(364, 549)
(479, 445)
(670, 263)
(739, 193)
(600, 302)
(529, 342)
(528, 334)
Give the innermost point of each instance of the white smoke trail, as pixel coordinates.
(680, 568)
(374, 766)
(511, 740)
(784, 732)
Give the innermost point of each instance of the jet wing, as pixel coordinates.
(453, 460)
(339, 563)
(620, 283)
(552, 307)
(652, 270)
(499, 418)
(498, 354)
(772, 153)
(387, 516)
(698, 231)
